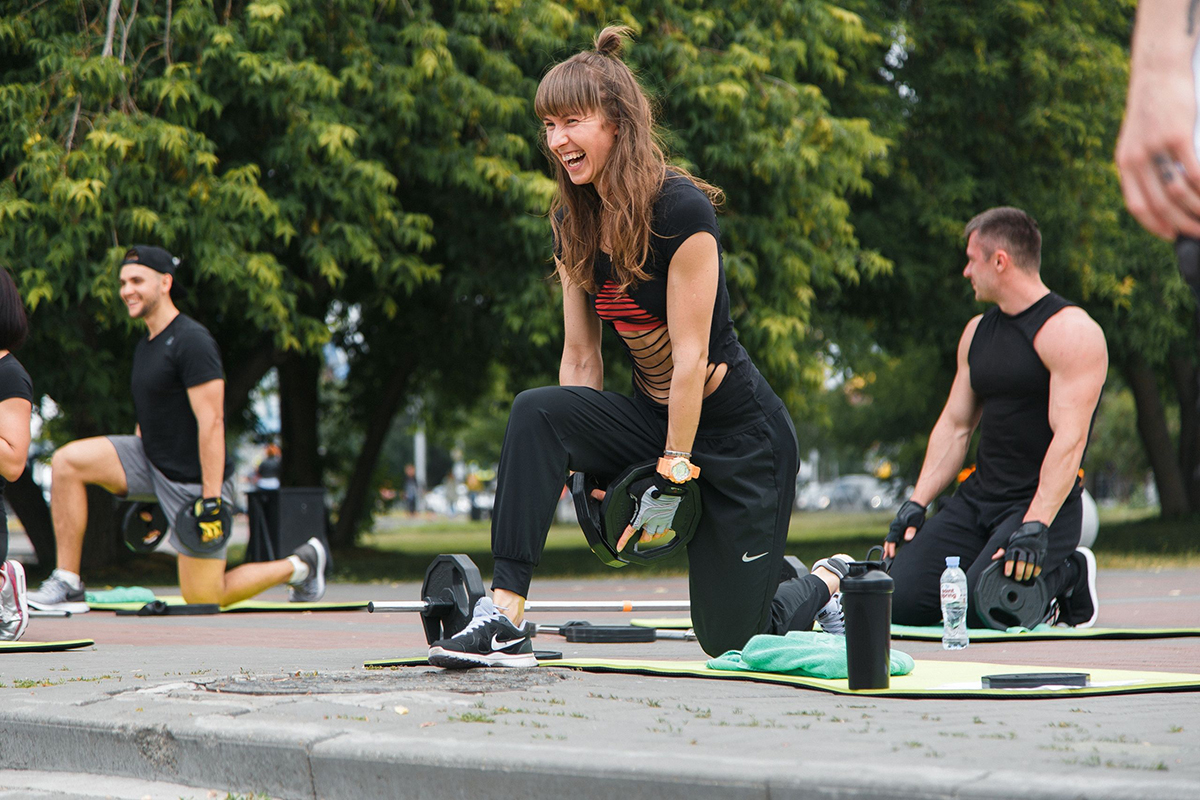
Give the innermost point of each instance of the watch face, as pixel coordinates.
(680, 471)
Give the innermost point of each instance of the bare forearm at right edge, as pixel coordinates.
(1165, 34)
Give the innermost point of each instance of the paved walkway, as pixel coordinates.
(280, 704)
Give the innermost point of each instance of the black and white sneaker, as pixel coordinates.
(831, 618)
(489, 640)
(312, 588)
(1079, 606)
(58, 594)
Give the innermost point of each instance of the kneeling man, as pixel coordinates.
(177, 458)
(1030, 372)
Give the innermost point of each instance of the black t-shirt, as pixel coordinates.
(680, 210)
(182, 355)
(14, 382)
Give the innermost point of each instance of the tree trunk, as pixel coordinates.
(1152, 428)
(102, 542)
(1183, 371)
(242, 377)
(354, 504)
(29, 504)
(298, 408)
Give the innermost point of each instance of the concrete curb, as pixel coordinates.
(309, 763)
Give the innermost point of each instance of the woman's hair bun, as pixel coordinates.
(611, 40)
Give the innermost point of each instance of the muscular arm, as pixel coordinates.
(582, 363)
(951, 435)
(1072, 347)
(14, 437)
(691, 295)
(208, 404)
(1160, 118)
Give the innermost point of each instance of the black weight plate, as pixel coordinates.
(617, 512)
(587, 512)
(547, 655)
(157, 608)
(1002, 603)
(598, 634)
(451, 589)
(1032, 680)
(144, 526)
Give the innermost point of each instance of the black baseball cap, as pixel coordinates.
(156, 258)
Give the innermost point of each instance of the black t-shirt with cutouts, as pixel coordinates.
(639, 315)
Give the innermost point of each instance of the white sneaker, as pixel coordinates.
(831, 618)
(56, 594)
(312, 588)
(14, 607)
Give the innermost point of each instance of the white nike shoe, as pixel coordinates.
(489, 640)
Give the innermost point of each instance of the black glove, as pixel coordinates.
(910, 515)
(1027, 543)
(207, 511)
(657, 501)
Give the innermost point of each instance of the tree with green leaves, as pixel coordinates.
(1016, 103)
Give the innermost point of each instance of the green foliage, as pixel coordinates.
(1000, 103)
(368, 174)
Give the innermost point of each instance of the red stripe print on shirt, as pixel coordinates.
(617, 307)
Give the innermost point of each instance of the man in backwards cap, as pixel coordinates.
(176, 458)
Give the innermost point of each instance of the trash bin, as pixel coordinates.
(283, 519)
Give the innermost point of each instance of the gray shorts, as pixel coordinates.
(148, 485)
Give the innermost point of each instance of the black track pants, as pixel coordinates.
(746, 449)
(973, 528)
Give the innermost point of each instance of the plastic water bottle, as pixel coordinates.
(954, 606)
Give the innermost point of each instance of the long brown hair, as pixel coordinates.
(598, 81)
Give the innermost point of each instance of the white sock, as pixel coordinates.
(70, 578)
(299, 570)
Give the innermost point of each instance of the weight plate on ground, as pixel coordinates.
(452, 587)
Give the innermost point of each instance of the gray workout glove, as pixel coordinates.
(657, 501)
(910, 515)
(1028, 543)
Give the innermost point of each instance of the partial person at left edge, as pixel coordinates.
(176, 458)
(16, 406)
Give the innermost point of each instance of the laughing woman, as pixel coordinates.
(637, 247)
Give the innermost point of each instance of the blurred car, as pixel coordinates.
(812, 496)
(857, 493)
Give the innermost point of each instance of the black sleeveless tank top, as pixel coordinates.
(1013, 385)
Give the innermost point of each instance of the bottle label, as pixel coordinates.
(951, 593)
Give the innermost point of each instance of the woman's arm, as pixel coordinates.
(14, 437)
(582, 364)
(691, 295)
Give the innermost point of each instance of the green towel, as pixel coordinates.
(121, 594)
(803, 653)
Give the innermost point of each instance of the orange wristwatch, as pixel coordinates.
(677, 469)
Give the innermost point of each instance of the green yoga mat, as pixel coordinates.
(929, 679)
(44, 647)
(933, 633)
(245, 606)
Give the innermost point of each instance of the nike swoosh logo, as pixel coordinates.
(748, 558)
(499, 645)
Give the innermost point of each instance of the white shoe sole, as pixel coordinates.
(71, 608)
(451, 659)
(1090, 558)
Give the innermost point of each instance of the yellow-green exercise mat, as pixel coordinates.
(944, 679)
(44, 647)
(933, 633)
(245, 606)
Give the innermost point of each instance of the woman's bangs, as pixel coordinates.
(567, 89)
